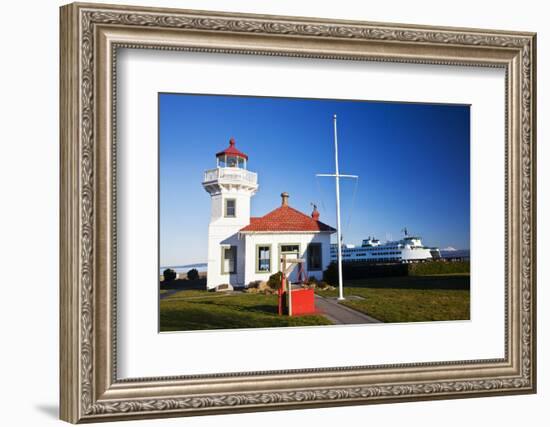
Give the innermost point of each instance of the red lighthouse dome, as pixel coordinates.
(231, 156)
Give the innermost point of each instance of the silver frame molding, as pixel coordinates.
(90, 37)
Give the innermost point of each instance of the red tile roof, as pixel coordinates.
(232, 151)
(286, 218)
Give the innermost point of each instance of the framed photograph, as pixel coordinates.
(266, 212)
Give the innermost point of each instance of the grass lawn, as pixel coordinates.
(193, 293)
(196, 310)
(410, 298)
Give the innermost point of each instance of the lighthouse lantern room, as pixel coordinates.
(231, 157)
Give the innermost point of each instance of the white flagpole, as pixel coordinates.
(339, 228)
(337, 176)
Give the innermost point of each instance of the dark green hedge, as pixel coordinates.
(439, 267)
(360, 270)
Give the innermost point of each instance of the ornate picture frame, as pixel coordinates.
(90, 37)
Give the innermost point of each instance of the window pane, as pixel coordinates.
(230, 207)
(314, 257)
(264, 258)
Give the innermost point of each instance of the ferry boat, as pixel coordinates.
(408, 249)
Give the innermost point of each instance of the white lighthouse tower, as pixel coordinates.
(230, 186)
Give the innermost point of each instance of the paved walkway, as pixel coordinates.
(340, 314)
(168, 293)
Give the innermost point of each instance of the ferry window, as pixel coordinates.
(314, 257)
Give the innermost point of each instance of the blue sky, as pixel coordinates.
(413, 162)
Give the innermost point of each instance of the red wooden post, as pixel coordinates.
(281, 290)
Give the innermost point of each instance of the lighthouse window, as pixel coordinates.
(263, 259)
(229, 259)
(230, 208)
(314, 257)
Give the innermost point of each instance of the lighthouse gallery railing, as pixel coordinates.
(230, 174)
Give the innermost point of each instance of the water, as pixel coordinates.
(185, 268)
(459, 253)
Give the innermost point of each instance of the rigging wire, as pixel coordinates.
(320, 194)
(352, 204)
(354, 197)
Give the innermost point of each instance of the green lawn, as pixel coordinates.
(410, 298)
(193, 293)
(389, 299)
(197, 310)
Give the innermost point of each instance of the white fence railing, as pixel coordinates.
(230, 174)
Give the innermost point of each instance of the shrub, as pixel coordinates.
(193, 274)
(330, 275)
(274, 281)
(169, 275)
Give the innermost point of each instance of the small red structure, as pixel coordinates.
(294, 302)
(303, 301)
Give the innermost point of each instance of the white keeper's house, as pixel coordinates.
(243, 249)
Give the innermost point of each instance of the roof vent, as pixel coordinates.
(284, 199)
(315, 214)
